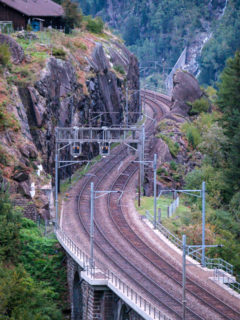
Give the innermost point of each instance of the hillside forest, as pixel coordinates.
(160, 30)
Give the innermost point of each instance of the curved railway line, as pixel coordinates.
(113, 230)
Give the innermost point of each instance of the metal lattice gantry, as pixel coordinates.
(124, 134)
(73, 138)
(69, 141)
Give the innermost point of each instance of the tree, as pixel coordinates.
(10, 222)
(229, 103)
(94, 25)
(21, 298)
(131, 31)
(72, 14)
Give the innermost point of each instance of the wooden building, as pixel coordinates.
(35, 12)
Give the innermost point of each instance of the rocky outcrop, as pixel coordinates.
(108, 90)
(17, 53)
(176, 157)
(61, 98)
(185, 89)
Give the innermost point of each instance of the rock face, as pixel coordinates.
(17, 53)
(61, 98)
(107, 90)
(185, 89)
(176, 156)
(57, 99)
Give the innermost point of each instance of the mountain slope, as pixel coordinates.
(160, 30)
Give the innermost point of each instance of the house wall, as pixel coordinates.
(20, 21)
(9, 14)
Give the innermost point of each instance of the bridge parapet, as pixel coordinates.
(97, 277)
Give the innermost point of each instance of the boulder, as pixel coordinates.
(24, 189)
(17, 52)
(28, 151)
(21, 176)
(27, 35)
(185, 89)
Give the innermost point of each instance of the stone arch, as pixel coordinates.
(124, 314)
(77, 298)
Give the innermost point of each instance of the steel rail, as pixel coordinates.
(234, 313)
(125, 183)
(127, 262)
(166, 267)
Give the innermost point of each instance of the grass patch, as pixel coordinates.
(66, 184)
(4, 54)
(22, 75)
(147, 203)
(119, 69)
(39, 55)
(59, 53)
(7, 120)
(80, 45)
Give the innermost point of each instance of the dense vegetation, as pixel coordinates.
(154, 30)
(224, 43)
(73, 17)
(217, 136)
(32, 275)
(159, 30)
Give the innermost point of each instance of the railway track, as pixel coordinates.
(107, 245)
(141, 280)
(157, 261)
(156, 96)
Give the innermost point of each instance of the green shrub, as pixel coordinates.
(58, 53)
(94, 25)
(4, 54)
(199, 105)
(173, 165)
(161, 171)
(119, 69)
(192, 133)
(32, 272)
(211, 93)
(10, 223)
(234, 205)
(173, 146)
(214, 183)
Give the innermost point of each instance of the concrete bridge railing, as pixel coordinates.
(96, 276)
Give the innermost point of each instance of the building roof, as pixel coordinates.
(35, 8)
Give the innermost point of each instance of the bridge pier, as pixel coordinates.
(90, 302)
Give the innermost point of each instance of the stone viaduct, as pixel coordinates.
(96, 294)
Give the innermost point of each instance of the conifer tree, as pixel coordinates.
(229, 103)
(10, 222)
(73, 15)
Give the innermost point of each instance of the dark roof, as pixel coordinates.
(35, 8)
